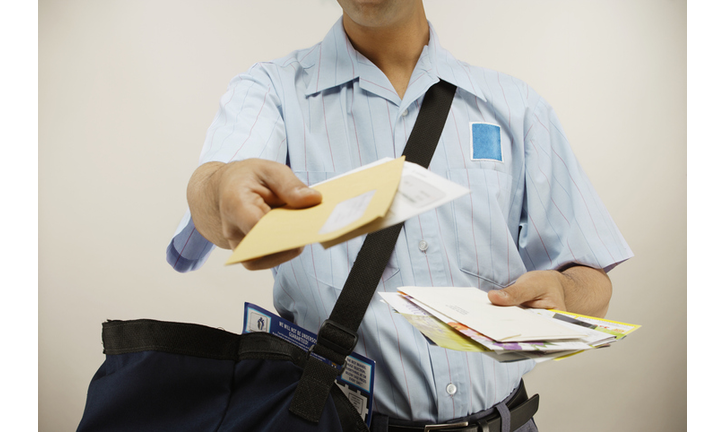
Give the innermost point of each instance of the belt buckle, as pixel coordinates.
(442, 427)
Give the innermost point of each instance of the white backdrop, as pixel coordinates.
(127, 89)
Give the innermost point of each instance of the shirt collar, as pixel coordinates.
(335, 49)
(332, 62)
(447, 68)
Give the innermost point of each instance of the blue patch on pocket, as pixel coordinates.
(485, 142)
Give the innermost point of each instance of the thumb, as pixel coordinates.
(504, 297)
(303, 196)
(288, 188)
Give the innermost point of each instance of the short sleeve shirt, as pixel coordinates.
(326, 110)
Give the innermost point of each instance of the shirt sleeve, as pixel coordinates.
(563, 220)
(248, 124)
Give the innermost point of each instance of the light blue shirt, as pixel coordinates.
(326, 110)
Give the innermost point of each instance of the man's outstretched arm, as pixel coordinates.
(227, 199)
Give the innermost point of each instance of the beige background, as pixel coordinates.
(128, 88)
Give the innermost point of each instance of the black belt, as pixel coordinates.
(521, 410)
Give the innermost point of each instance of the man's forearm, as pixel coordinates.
(587, 290)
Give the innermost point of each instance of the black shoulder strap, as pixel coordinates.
(338, 335)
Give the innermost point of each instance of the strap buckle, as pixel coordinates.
(337, 338)
(442, 427)
(340, 367)
(334, 343)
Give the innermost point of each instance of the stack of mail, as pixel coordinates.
(463, 319)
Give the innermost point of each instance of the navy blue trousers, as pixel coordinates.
(182, 377)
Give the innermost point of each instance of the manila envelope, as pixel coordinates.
(348, 203)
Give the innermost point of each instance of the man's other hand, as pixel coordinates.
(537, 289)
(578, 289)
(227, 200)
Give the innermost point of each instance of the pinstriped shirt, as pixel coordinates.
(326, 110)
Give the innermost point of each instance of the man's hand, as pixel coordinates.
(227, 200)
(577, 289)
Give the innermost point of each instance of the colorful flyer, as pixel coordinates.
(618, 329)
(356, 381)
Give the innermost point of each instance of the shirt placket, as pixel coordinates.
(404, 121)
(452, 383)
(427, 251)
(422, 233)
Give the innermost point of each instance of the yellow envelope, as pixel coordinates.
(348, 203)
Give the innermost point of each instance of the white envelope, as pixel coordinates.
(470, 306)
(420, 190)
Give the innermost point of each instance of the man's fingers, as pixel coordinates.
(238, 216)
(248, 190)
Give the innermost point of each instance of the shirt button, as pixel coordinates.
(404, 113)
(451, 389)
(422, 245)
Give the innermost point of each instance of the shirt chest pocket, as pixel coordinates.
(485, 247)
(331, 266)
